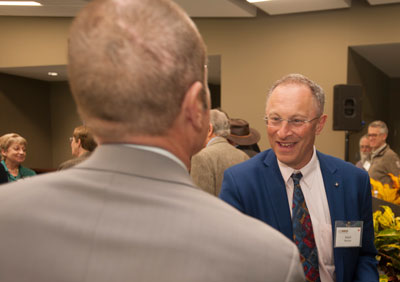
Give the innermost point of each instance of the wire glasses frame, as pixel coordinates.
(277, 121)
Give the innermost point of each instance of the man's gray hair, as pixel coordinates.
(379, 124)
(365, 136)
(220, 123)
(130, 64)
(295, 78)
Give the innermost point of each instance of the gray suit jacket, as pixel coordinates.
(127, 214)
(208, 166)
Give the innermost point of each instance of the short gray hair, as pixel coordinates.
(220, 123)
(365, 136)
(295, 78)
(130, 64)
(379, 124)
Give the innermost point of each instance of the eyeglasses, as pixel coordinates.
(365, 147)
(70, 139)
(277, 121)
(374, 135)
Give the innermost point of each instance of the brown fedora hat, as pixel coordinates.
(242, 134)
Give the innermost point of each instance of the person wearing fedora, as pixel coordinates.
(208, 166)
(244, 137)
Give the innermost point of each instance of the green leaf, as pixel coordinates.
(389, 233)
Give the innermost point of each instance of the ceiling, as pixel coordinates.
(209, 9)
(196, 8)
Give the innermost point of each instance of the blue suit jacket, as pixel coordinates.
(256, 188)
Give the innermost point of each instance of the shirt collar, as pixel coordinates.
(306, 171)
(211, 140)
(10, 176)
(378, 151)
(158, 150)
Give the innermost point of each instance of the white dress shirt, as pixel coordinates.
(313, 188)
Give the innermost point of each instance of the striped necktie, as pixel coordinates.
(303, 234)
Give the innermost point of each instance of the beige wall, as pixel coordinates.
(29, 41)
(254, 53)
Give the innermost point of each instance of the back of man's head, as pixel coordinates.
(130, 65)
(84, 134)
(220, 123)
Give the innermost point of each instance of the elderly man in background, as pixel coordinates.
(208, 166)
(383, 159)
(365, 153)
(82, 145)
(130, 212)
(312, 198)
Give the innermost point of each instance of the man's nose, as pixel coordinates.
(284, 129)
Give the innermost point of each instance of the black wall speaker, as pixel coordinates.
(347, 107)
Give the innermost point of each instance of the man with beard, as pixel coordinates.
(365, 153)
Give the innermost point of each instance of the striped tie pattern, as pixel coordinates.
(303, 234)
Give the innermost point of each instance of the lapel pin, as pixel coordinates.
(336, 184)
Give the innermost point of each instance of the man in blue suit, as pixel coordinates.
(336, 195)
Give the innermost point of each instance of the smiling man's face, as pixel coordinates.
(293, 145)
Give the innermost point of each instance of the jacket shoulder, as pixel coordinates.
(333, 163)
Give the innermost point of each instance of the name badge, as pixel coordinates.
(348, 234)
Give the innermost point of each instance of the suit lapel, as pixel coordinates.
(334, 188)
(277, 195)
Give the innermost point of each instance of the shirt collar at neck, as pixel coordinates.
(306, 171)
(379, 150)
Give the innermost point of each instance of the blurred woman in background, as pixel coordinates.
(13, 153)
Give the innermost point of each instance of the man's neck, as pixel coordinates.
(178, 148)
(81, 152)
(378, 149)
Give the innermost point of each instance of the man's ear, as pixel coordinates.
(79, 142)
(192, 106)
(320, 124)
(210, 131)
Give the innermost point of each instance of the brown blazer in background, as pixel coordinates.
(208, 166)
(383, 162)
(74, 161)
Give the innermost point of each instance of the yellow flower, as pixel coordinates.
(395, 180)
(387, 218)
(397, 223)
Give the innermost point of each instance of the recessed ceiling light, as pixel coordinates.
(19, 3)
(255, 1)
(52, 73)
